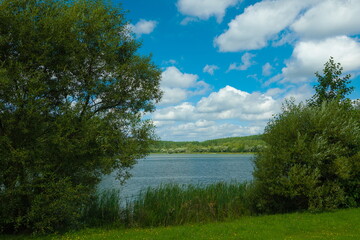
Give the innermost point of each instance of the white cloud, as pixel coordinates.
(284, 20)
(227, 103)
(188, 20)
(183, 112)
(178, 86)
(225, 113)
(173, 95)
(233, 103)
(266, 69)
(210, 69)
(204, 9)
(329, 18)
(310, 56)
(172, 77)
(246, 62)
(143, 27)
(259, 23)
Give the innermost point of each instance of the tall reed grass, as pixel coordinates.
(170, 204)
(103, 209)
(173, 204)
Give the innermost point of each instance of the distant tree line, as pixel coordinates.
(248, 144)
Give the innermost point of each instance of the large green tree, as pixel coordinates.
(73, 92)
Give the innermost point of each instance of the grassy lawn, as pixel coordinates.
(342, 224)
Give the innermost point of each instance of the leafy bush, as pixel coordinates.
(312, 159)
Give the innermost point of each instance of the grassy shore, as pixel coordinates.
(340, 224)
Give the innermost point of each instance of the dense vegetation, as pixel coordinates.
(312, 159)
(312, 154)
(249, 144)
(72, 94)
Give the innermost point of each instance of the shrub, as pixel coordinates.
(311, 160)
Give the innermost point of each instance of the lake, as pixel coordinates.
(195, 169)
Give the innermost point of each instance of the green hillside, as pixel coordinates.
(246, 144)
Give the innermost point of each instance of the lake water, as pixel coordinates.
(195, 169)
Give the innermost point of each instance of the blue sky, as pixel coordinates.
(227, 65)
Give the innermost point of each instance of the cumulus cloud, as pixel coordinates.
(230, 103)
(204, 9)
(178, 86)
(172, 77)
(282, 21)
(227, 112)
(173, 95)
(143, 27)
(310, 56)
(210, 69)
(183, 112)
(227, 103)
(329, 18)
(246, 62)
(258, 24)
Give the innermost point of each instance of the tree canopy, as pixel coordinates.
(73, 92)
(331, 85)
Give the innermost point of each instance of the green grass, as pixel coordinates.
(340, 224)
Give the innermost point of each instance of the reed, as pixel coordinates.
(174, 204)
(103, 209)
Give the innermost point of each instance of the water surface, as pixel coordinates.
(200, 169)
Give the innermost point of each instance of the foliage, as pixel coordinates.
(224, 145)
(72, 94)
(312, 159)
(331, 86)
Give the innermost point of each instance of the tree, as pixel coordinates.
(312, 154)
(331, 86)
(311, 160)
(73, 92)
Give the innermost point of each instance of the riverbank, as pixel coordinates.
(339, 224)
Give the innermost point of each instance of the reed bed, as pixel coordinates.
(103, 209)
(173, 204)
(170, 204)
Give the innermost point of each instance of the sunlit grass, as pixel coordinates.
(340, 224)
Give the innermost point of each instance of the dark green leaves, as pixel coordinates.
(73, 91)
